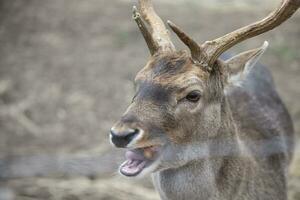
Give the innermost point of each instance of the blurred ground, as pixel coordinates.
(65, 76)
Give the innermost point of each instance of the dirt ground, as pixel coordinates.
(66, 71)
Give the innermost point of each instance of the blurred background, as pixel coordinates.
(66, 71)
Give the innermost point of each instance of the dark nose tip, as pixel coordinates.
(122, 139)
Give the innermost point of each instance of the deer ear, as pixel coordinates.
(239, 65)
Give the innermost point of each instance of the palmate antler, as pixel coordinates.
(206, 54)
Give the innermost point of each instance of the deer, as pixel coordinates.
(203, 125)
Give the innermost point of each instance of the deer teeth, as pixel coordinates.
(148, 153)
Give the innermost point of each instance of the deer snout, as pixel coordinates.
(121, 138)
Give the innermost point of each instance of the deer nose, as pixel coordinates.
(122, 138)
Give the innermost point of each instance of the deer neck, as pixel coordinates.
(200, 176)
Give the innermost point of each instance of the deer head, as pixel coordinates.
(179, 95)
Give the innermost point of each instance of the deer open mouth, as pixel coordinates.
(138, 160)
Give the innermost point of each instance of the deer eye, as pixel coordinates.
(193, 96)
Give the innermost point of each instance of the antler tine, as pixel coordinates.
(160, 34)
(188, 41)
(144, 30)
(215, 48)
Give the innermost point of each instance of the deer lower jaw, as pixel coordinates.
(138, 160)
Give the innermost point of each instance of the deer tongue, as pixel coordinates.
(134, 164)
(134, 155)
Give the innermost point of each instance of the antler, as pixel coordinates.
(215, 48)
(157, 38)
(187, 40)
(209, 52)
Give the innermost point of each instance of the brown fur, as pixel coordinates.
(227, 120)
(170, 69)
